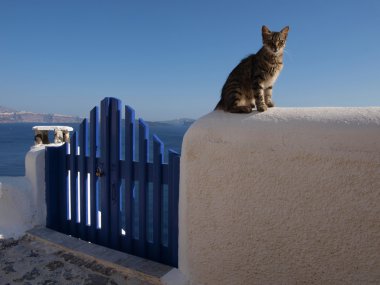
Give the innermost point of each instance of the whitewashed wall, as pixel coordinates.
(22, 199)
(288, 196)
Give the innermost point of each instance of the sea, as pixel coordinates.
(16, 140)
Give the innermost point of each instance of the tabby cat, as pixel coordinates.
(251, 81)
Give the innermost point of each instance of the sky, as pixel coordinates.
(169, 59)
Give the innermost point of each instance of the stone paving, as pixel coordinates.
(32, 261)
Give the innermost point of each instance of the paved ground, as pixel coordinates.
(32, 261)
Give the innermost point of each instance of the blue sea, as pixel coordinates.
(16, 140)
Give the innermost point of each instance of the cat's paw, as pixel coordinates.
(270, 104)
(262, 108)
(241, 109)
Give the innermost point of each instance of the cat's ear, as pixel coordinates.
(265, 30)
(285, 31)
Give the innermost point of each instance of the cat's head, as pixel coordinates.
(274, 41)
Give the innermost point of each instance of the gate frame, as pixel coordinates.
(64, 163)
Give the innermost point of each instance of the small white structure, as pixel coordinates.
(22, 199)
(61, 134)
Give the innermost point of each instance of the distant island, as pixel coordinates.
(176, 122)
(8, 115)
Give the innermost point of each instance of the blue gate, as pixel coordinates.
(104, 188)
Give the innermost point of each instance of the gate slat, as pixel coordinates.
(82, 179)
(128, 176)
(63, 195)
(115, 123)
(158, 150)
(55, 173)
(104, 166)
(94, 127)
(174, 160)
(143, 159)
(73, 186)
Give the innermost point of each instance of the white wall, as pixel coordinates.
(287, 196)
(22, 199)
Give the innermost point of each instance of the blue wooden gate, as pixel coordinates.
(104, 189)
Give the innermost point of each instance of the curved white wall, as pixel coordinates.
(22, 199)
(288, 196)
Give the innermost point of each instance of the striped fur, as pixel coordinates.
(250, 82)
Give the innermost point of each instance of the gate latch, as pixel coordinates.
(99, 172)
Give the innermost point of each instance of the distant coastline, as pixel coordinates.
(8, 116)
(29, 117)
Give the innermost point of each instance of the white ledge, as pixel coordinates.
(343, 116)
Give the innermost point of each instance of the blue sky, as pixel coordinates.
(169, 59)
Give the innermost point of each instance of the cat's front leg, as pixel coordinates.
(259, 99)
(268, 97)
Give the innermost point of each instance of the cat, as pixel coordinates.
(250, 82)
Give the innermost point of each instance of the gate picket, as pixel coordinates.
(142, 191)
(158, 150)
(55, 177)
(173, 187)
(73, 186)
(114, 152)
(82, 170)
(94, 125)
(104, 173)
(128, 175)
